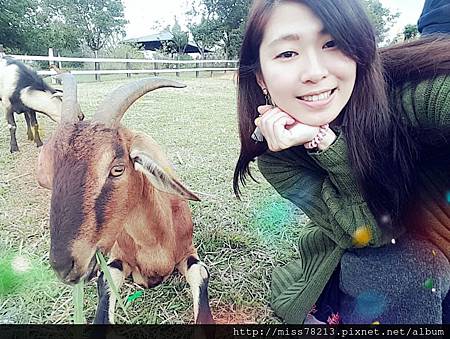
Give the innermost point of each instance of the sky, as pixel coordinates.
(409, 13)
(143, 15)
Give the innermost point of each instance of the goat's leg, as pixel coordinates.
(106, 297)
(12, 129)
(29, 132)
(197, 275)
(35, 125)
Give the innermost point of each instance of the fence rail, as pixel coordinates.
(176, 65)
(70, 59)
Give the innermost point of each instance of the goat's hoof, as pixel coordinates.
(30, 137)
(39, 143)
(14, 148)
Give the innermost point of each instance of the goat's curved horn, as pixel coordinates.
(71, 111)
(112, 109)
(58, 95)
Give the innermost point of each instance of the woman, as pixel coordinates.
(361, 144)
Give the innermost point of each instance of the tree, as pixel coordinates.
(205, 34)
(178, 42)
(180, 38)
(223, 20)
(14, 15)
(382, 18)
(96, 21)
(31, 27)
(410, 32)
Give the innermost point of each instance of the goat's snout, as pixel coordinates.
(63, 266)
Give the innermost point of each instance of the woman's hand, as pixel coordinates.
(281, 131)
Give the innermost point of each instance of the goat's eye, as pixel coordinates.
(117, 170)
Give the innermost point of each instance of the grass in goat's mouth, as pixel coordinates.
(78, 291)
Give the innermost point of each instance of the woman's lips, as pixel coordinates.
(318, 103)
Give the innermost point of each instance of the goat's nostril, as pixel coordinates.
(62, 267)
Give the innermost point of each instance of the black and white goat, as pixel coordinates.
(22, 90)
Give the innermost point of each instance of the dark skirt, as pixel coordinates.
(403, 283)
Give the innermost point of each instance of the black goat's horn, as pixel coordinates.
(112, 109)
(71, 111)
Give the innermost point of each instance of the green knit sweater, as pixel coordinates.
(322, 186)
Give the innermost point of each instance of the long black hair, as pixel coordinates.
(381, 148)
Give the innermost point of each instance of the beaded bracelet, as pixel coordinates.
(318, 138)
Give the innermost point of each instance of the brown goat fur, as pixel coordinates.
(148, 250)
(114, 191)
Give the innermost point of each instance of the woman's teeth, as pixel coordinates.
(318, 97)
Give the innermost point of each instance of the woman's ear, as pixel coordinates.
(260, 80)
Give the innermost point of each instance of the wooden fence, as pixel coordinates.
(151, 66)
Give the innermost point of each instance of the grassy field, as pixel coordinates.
(240, 241)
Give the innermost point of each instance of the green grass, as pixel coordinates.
(240, 241)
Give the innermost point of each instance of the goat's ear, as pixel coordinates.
(159, 177)
(44, 169)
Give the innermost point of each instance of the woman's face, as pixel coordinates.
(306, 75)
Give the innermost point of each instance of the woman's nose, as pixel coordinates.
(314, 68)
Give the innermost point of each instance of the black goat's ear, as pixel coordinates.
(159, 177)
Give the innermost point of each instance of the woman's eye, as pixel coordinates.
(330, 44)
(117, 170)
(287, 55)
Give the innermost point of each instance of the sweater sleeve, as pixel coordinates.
(322, 186)
(426, 104)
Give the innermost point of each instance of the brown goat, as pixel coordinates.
(114, 190)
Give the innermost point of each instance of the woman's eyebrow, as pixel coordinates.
(286, 37)
(293, 37)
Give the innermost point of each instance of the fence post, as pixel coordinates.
(127, 65)
(155, 66)
(2, 51)
(58, 81)
(50, 63)
(196, 72)
(177, 65)
(226, 66)
(97, 67)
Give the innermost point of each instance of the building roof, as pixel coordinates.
(152, 42)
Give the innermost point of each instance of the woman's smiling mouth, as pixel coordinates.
(318, 100)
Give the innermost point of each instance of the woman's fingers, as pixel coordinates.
(272, 124)
(280, 130)
(282, 135)
(264, 108)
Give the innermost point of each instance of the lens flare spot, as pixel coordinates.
(385, 219)
(448, 197)
(370, 304)
(20, 264)
(274, 218)
(434, 253)
(428, 284)
(362, 236)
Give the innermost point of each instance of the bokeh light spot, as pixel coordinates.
(370, 304)
(362, 236)
(428, 283)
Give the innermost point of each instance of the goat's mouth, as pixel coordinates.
(74, 277)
